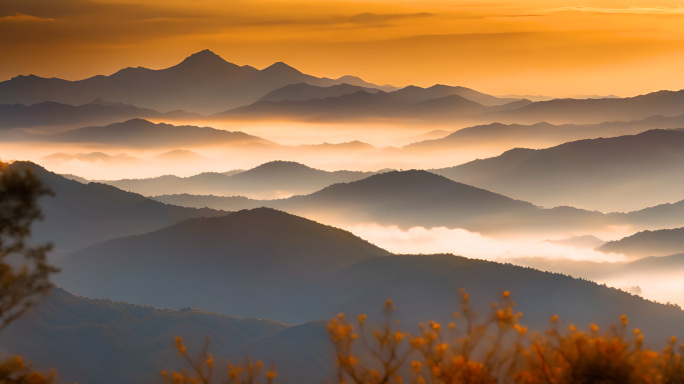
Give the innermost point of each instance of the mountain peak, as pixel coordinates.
(203, 58)
(277, 167)
(136, 121)
(443, 87)
(280, 67)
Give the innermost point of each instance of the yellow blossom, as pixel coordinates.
(623, 320)
(398, 336)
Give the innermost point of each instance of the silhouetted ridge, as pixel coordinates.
(202, 82)
(278, 166)
(95, 112)
(305, 91)
(204, 56)
(662, 242)
(281, 68)
(404, 183)
(143, 133)
(583, 111)
(272, 180)
(207, 63)
(414, 94)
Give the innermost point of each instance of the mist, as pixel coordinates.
(472, 244)
(603, 268)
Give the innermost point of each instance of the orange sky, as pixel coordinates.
(549, 47)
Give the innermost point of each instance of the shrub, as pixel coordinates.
(202, 370)
(496, 349)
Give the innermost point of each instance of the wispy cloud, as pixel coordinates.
(630, 10)
(375, 18)
(23, 18)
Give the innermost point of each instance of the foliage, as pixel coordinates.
(24, 269)
(14, 371)
(202, 370)
(498, 349)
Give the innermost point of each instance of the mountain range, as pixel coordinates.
(50, 115)
(295, 270)
(139, 132)
(305, 91)
(91, 157)
(273, 178)
(662, 216)
(88, 340)
(143, 133)
(420, 198)
(265, 253)
(83, 214)
(410, 94)
(662, 242)
(202, 83)
(600, 174)
(593, 111)
(540, 135)
(461, 104)
(366, 105)
(207, 84)
(415, 198)
(414, 94)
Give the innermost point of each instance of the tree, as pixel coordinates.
(24, 269)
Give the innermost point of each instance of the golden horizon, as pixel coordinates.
(555, 48)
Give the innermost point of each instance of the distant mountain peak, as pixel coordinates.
(446, 87)
(349, 78)
(136, 121)
(204, 54)
(280, 165)
(203, 58)
(280, 67)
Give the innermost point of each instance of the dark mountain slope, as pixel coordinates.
(83, 214)
(96, 341)
(241, 264)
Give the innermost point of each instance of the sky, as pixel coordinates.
(529, 47)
